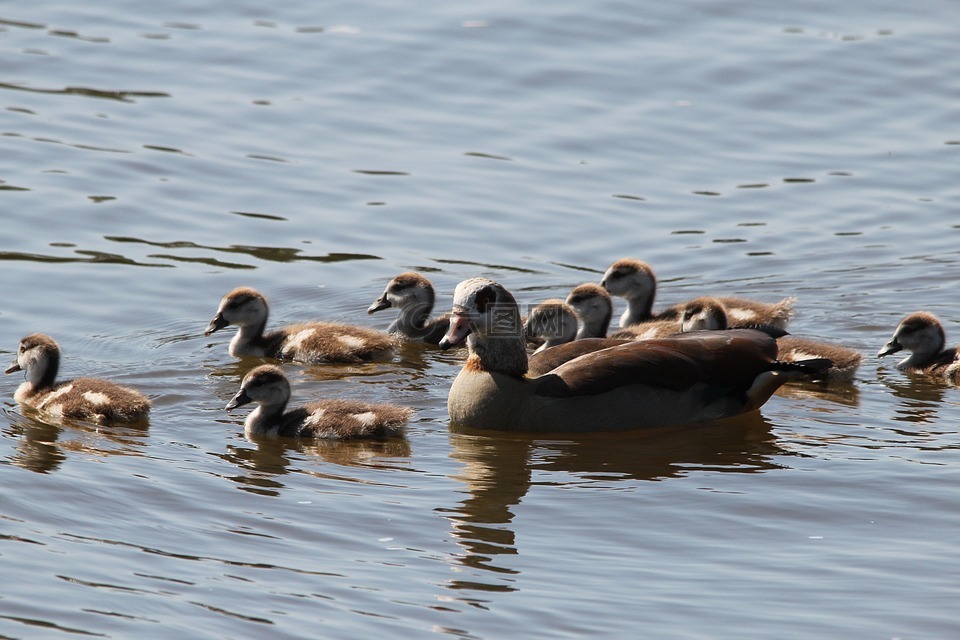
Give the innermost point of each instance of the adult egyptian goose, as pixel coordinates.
(710, 314)
(413, 296)
(687, 378)
(635, 281)
(91, 399)
(313, 342)
(922, 334)
(269, 388)
(552, 321)
(594, 309)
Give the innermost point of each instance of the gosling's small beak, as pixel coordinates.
(14, 367)
(238, 400)
(891, 347)
(457, 332)
(380, 304)
(217, 323)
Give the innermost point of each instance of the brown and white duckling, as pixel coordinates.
(81, 399)
(594, 301)
(922, 334)
(267, 386)
(688, 378)
(313, 342)
(704, 314)
(594, 309)
(552, 321)
(635, 281)
(710, 314)
(413, 296)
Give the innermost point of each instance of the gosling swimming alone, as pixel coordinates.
(921, 333)
(338, 419)
(91, 399)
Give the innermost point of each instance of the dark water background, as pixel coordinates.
(156, 155)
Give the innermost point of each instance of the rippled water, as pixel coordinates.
(156, 155)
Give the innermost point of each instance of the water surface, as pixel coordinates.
(156, 156)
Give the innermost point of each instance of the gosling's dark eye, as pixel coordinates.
(576, 300)
(400, 286)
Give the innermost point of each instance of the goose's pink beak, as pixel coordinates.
(458, 331)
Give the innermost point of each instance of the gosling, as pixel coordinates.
(332, 419)
(92, 399)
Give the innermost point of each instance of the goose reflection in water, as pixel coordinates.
(497, 474)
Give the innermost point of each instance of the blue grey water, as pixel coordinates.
(155, 155)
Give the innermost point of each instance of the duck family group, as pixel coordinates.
(704, 359)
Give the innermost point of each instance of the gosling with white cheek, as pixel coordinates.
(635, 281)
(552, 321)
(594, 309)
(709, 314)
(313, 342)
(555, 322)
(922, 334)
(413, 296)
(91, 399)
(326, 419)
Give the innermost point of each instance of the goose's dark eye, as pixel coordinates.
(576, 300)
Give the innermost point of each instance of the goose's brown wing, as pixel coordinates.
(549, 359)
(725, 359)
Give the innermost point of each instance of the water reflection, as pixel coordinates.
(37, 448)
(236, 370)
(270, 254)
(120, 96)
(843, 394)
(87, 257)
(921, 396)
(262, 464)
(497, 473)
(42, 446)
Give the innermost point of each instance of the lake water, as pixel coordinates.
(156, 155)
